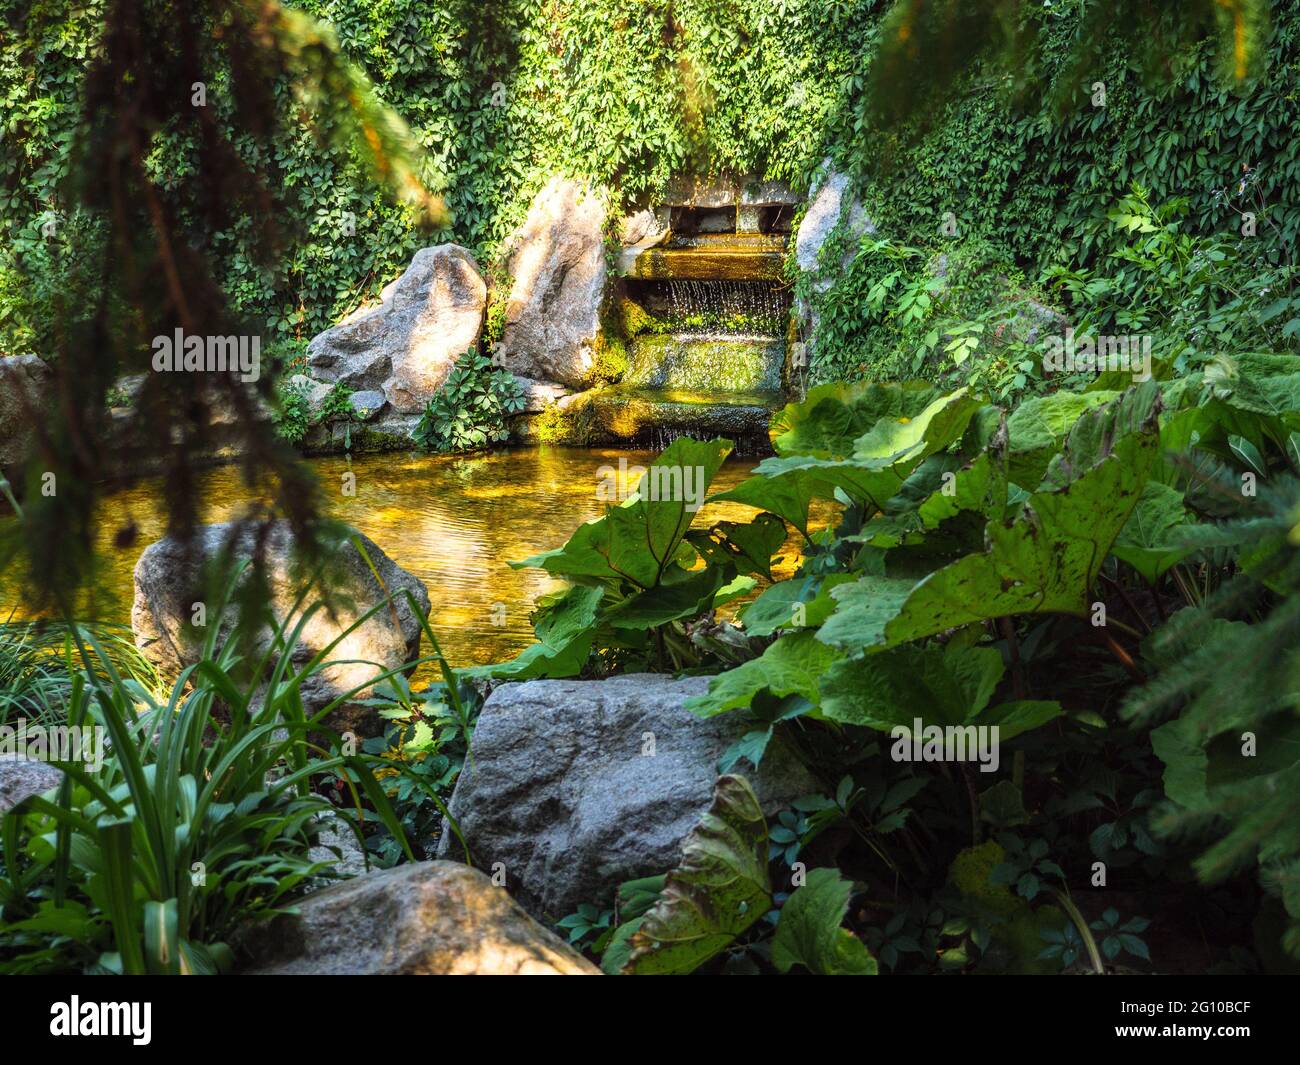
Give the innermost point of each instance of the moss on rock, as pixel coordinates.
(572, 422)
(1018, 927)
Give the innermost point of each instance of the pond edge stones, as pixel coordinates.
(576, 786)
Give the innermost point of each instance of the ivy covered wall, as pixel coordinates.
(500, 93)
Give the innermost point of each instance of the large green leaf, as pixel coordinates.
(748, 546)
(1094, 435)
(1266, 385)
(787, 486)
(910, 424)
(810, 932)
(977, 489)
(638, 540)
(828, 423)
(1045, 561)
(1186, 763)
(1200, 770)
(800, 602)
(1210, 426)
(893, 440)
(1020, 715)
(899, 425)
(794, 665)
(980, 487)
(941, 685)
(681, 594)
(635, 897)
(1149, 542)
(717, 891)
(1037, 428)
(786, 494)
(564, 636)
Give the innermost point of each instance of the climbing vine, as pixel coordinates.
(631, 92)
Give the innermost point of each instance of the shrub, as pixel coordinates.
(38, 661)
(199, 820)
(471, 409)
(291, 412)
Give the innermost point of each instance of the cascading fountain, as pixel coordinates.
(711, 337)
(709, 351)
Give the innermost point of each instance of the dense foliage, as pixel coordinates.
(501, 94)
(993, 198)
(498, 95)
(471, 409)
(1053, 570)
(1098, 568)
(120, 232)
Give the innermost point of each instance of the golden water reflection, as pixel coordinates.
(454, 522)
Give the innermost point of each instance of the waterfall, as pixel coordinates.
(728, 308)
(716, 336)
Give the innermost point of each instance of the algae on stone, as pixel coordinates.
(706, 364)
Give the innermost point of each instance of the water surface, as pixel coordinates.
(453, 521)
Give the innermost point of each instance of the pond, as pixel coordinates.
(454, 521)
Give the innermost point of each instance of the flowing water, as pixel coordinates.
(724, 345)
(755, 307)
(454, 522)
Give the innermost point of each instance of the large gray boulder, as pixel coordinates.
(21, 777)
(407, 346)
(557, 266)
(830, 203)
(423, 919)
(169, 581)
(24, 380)
(831, 206)
(576, 786)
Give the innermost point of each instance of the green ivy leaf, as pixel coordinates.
(794, 665)
(564, 637)
(1149, 540)
(637, 541)
(749, 546)
(1046, 561)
